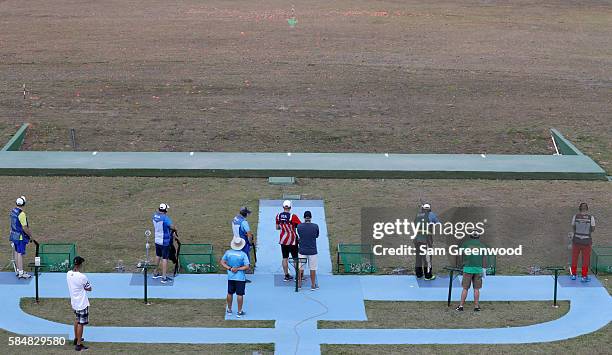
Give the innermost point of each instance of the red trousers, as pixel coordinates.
(586, 258)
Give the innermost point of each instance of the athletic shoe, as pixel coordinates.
(157, 276)
(585, 279)
(228, 311)
(80, 348)
(165, 280)
(433, 277)
(573, 277)
(288, 278)
(74, 341)
(459, 308)
(419, 277)
(476, 309)
(240, 314)
(25, 275)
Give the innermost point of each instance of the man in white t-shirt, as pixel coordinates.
(78, 286)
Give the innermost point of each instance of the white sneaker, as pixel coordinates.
(25, 275)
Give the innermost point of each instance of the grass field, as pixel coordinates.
(428, 315)
(107, 217)
(134, 313)
(594, 343)
(123, 348)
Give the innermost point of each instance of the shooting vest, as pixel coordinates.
(237, 229)
(16, 227)
(582, 235)
(422, 220)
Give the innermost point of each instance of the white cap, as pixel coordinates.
(287, 204)
(426, 206)
(163, 207)
(20, 201)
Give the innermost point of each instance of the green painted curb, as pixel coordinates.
(16, 141)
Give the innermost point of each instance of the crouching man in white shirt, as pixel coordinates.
(78, 286)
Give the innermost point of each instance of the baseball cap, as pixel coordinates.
(426, 206)
(307, 214)
(287, 204)
(163, 207)
(245, 210)
(20, 201)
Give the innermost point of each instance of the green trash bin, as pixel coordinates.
(57, 257)
(355, 259)
(601, 260)
(197, 259)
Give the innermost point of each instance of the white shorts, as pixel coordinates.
(312, 261)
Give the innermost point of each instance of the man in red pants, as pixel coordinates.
(584, 225)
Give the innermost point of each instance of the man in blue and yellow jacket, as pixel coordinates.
(20, 235)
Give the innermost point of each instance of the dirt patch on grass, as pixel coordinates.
(401, 315)
(134, 313)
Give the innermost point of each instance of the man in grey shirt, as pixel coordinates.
(307, 234)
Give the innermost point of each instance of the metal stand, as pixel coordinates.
(296, 266)
(146, 298)
(36, 274)
(451, 271)
(146, 268)
(556, 270)
(297, 273)
(36, 281)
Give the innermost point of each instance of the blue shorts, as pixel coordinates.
(236, 287)
(162, 251)
(20, 246)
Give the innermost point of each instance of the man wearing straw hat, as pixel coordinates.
(236, 262)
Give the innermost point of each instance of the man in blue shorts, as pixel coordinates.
(164, 229)
(20, 236)
(236, 262)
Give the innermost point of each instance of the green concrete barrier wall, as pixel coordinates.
(563, 144)
(17, 140)
(572, 165)
(316, 165)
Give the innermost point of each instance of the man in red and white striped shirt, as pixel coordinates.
(286, 223)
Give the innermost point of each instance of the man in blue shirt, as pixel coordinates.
(308, 233)
(236, 262)
(241, 229)
(164, 229)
